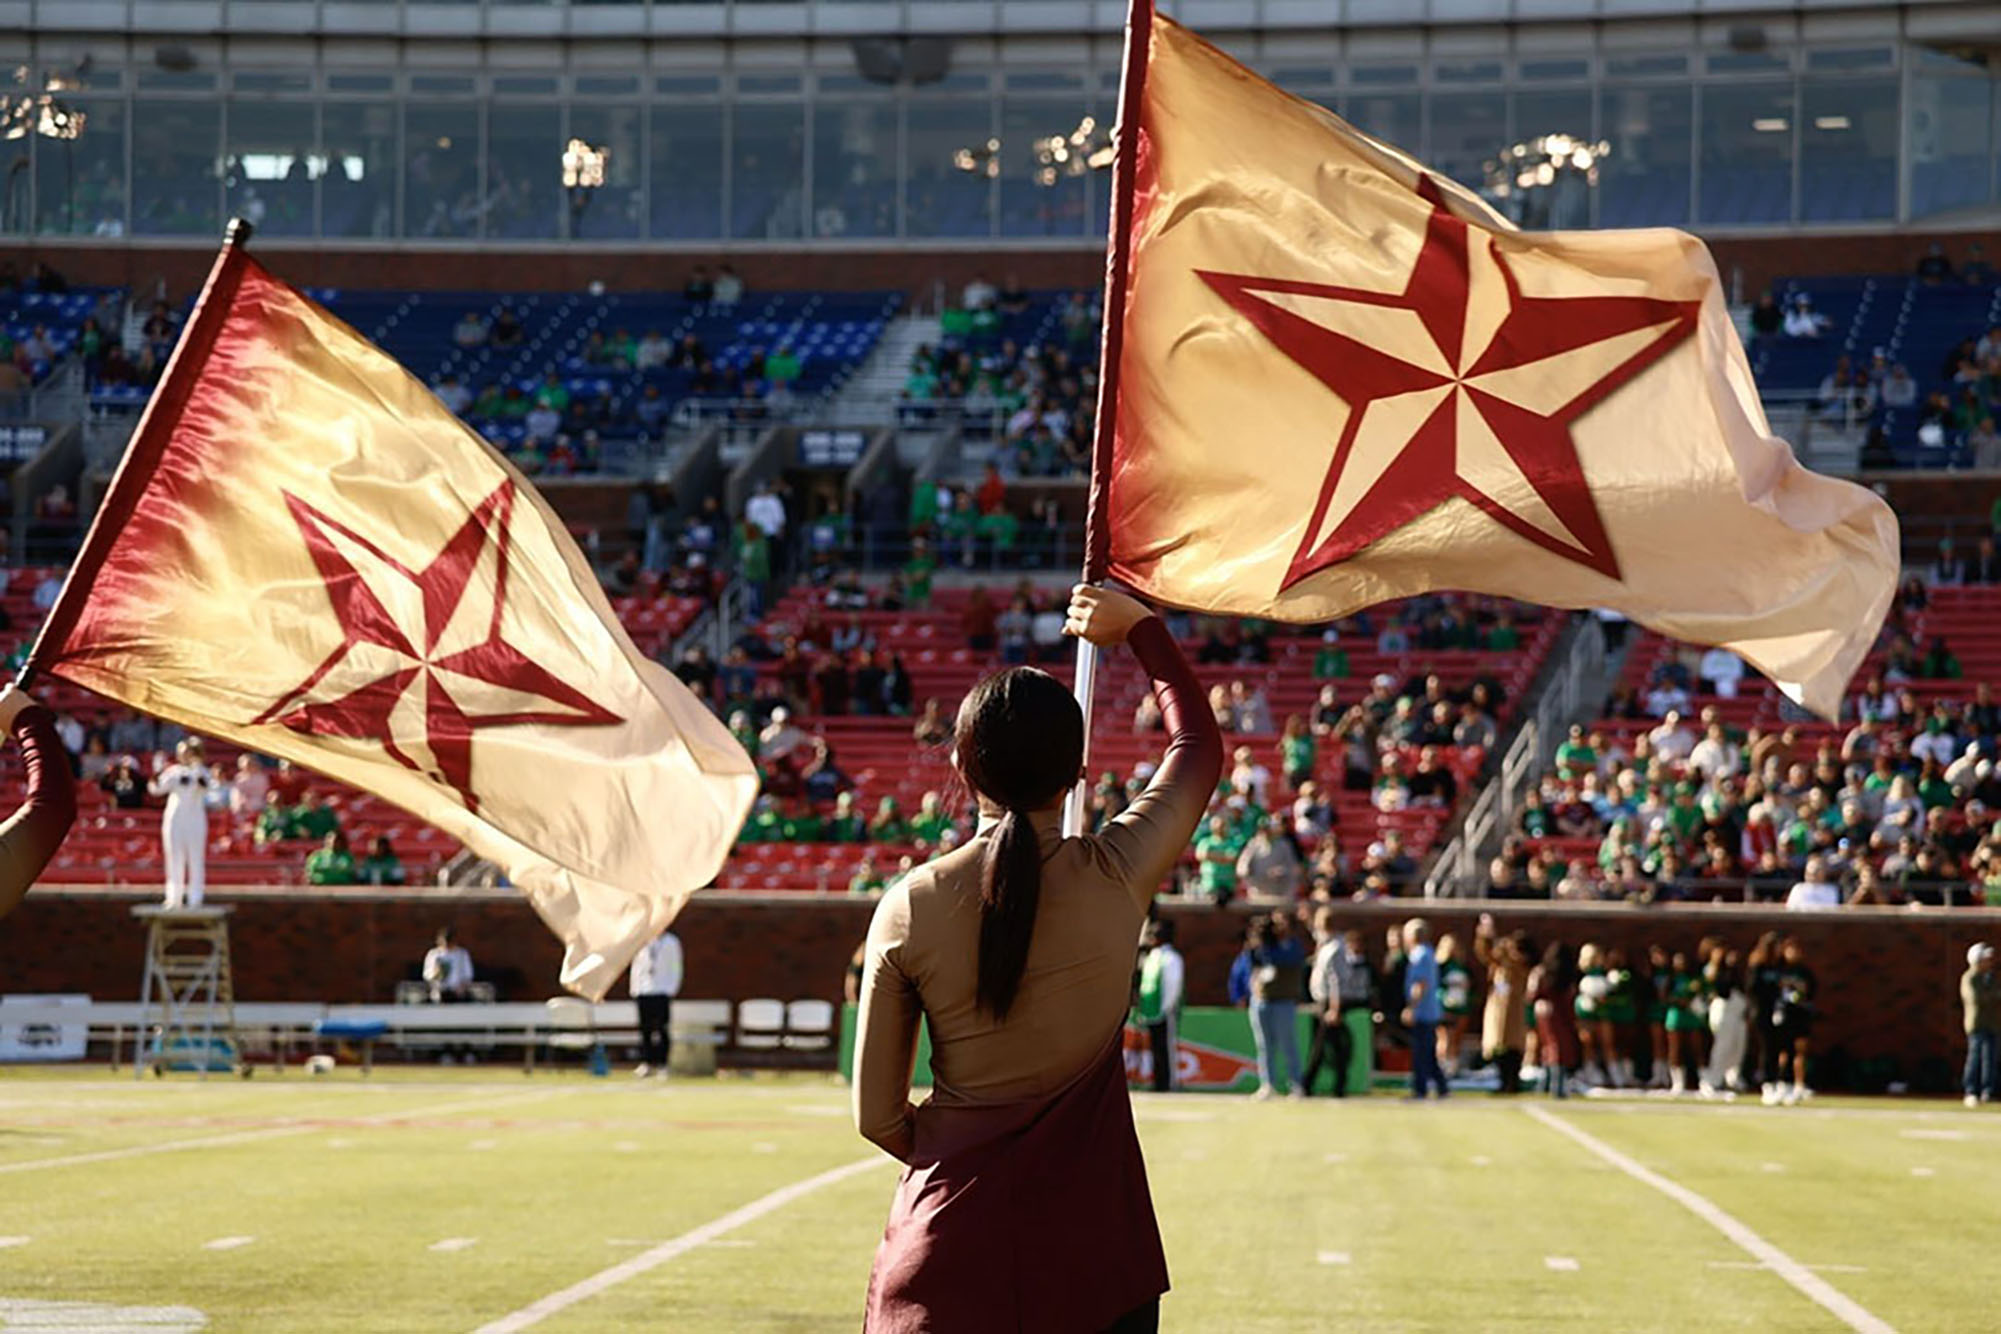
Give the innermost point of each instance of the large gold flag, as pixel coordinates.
(305, 553)
(1333, 377)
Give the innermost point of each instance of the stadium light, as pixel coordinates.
(1531, 181)
(47, 115)
(583, 165)
(1082, 150)
(981, 161)
(583, 177)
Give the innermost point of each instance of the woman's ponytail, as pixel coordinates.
(1010, 886)
(1020, 744)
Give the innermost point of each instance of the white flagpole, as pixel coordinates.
(1085, 687)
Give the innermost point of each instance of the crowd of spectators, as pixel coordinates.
(1277, 836)
(1898, 805)
(1716, 1020)
(1035, 400)
(1272, 832)
(564, 422)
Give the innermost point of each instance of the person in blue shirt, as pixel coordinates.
(1423, 1009)
(1277, 973)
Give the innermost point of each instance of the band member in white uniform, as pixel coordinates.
(186, 784)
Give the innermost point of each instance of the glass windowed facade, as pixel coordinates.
(1862, 135)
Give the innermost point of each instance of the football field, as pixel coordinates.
(464, 1200)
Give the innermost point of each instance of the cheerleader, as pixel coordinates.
(186, 785)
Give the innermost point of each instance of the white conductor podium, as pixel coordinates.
(187, 1000)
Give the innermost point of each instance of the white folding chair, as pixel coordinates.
(809, 1025)
(759, 1024)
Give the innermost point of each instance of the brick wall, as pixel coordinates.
(1889, 978)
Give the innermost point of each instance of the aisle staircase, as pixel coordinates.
(872, 393)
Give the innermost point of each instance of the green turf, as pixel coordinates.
(1368, 1215)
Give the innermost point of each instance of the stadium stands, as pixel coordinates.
(1874, 324)
(1764, 822)
(581, 352)
(878, 755)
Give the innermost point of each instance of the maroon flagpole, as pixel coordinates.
(149, 442)
(1118, 267)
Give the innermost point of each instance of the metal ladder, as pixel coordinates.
(187, 1000)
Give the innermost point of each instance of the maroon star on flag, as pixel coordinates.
(1459, 386)
(416, 649)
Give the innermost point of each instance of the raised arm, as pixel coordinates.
(1148, 838)
(886, 1033)
(32, 834)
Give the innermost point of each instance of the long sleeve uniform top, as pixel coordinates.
(922, 955)
(32, 834)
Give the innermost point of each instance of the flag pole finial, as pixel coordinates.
(237, 235)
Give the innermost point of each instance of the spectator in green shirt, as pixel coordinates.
(316, 819)
(804, 825)
(753, 559)
(1297, 752)
(1330, 663)
(331, 863)
(1503, 637)
(1000, 529)
(765, 825)
(782, 366)
(931, 821)
(1575, 757)
(380, 866)
(923, 506)
(867, 880)
(1216, 851)
(917, 574)
(553, 392)
(1940, 663)
(276, 822)
(845, 826)
(889, 826)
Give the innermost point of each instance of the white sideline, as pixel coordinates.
(537, 1311)
(268, 1132)
(1840, 1306)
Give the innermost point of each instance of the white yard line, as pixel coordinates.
(6, 1242)
(1811, 1285)
(454, 1244)
(1562, 1264)
(227, 1243)
(268, 1132)
(536, 1312)
(1334, 1257)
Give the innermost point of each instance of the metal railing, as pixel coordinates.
(1734, 890)
(1827, 435)
(1578, 662)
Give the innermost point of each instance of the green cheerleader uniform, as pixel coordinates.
(1684, 1004)
(1587, 1005)
(1621, 1005)
(1455, 989)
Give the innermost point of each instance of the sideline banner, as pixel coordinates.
(1215, 1049)
(38, 1042)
